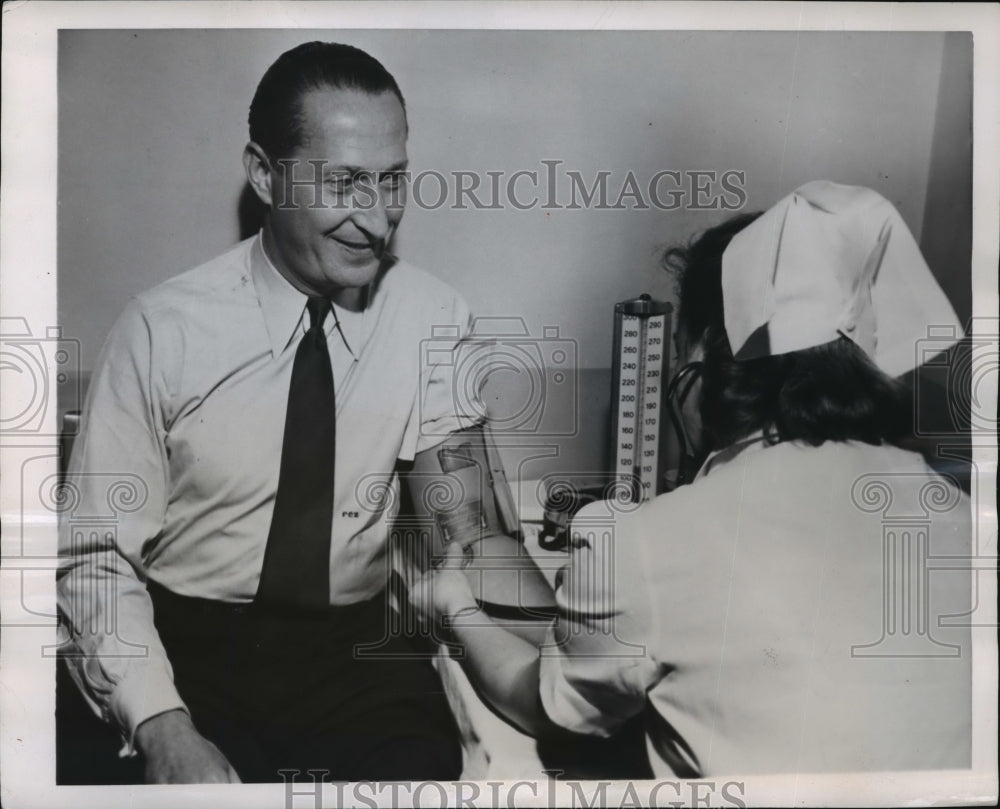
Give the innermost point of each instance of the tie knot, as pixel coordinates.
(318, 309)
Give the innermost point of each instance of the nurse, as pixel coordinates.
(782, 612)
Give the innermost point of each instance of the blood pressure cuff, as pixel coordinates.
(471, 504)
(476, 514)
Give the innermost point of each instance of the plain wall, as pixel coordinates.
(947, 226)
(152, 126)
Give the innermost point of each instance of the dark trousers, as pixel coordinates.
(302, 691)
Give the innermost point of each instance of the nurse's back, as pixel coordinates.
(799, 612)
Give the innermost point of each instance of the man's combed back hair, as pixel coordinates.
(276, 117)
(831, 392)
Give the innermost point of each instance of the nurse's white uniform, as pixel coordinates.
(757, 616)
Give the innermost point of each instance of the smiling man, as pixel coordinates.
(248, 401)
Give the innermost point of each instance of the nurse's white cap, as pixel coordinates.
(831, 260)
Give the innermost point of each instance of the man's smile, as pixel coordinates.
(356, 246)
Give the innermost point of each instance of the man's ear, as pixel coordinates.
(258, 169)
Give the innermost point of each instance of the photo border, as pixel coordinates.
(29, 275)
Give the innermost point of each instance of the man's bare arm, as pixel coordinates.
(176, 753)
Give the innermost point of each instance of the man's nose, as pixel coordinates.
(369, 211)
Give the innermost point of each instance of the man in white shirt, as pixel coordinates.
(218, 661)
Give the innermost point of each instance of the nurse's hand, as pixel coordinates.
(443, 592)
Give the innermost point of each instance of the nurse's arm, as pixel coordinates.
(502, 666)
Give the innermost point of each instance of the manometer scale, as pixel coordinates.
(641, 374)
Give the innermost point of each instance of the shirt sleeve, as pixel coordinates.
(116, 490)
(596, 665)
(447, 400)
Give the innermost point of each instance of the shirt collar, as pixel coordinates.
(752, 443)
(350, 324)
(284, 307)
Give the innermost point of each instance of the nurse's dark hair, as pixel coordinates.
(276, 118)
(832, 392)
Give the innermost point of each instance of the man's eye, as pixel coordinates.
(339, 183)
(392, 181)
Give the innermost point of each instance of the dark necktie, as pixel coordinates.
(296, 572)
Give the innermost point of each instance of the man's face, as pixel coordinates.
(328, 229)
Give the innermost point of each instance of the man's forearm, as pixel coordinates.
(153, 730)
(176, 753)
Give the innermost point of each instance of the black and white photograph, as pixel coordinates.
(499, 404)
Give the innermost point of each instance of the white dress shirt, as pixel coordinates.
(181, 439)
